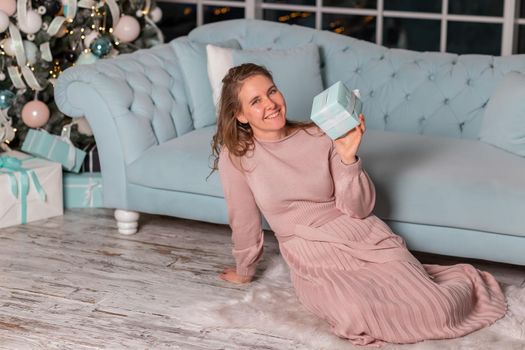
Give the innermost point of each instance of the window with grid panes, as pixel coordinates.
(458, 26)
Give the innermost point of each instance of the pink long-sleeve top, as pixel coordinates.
(298, 179)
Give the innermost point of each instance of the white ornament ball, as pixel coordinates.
(4, 21)
(32, 24)
(8, 6)
(9, 47)
(31, 51)
(86, 58)
(127, 29)
(88, 39)
(83, 127)
(156, 14)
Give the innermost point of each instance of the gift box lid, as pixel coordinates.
(29, 160)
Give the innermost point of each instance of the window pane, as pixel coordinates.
(478, 7)
(414, 5)
(177, 19)
(292, 2)
(301, 18)
(360, 27)
(521, 39)
(479, 38)
(366, 4)
(411, 34)
(222, 13)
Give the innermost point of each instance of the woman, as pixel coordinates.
(346, 265)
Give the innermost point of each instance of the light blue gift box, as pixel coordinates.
(336, 110)
(83, 190)
(54, 148)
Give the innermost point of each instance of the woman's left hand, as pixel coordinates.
(229, 274)
(348, 145)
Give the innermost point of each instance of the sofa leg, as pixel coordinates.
(127, 221)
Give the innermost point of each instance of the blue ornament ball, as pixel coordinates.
(6, 99)
(101, 46)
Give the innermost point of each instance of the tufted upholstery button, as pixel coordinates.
(431, 77)
(394, 75)
(382, 57)
(469, 82)
(385, 117)
(372, 93)
(461, 125)
(454, 62)
(357, 70)
(446, 101)
(484, 104)
(408, 97)
(491, 66)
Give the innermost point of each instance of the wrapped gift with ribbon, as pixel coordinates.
(83, 190)
(55, 148)
(91, 162)
(31, 189)
(336, 110)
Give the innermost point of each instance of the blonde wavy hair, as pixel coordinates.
(237, 136)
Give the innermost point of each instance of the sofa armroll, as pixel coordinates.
(132, 102)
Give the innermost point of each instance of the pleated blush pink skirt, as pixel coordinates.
(358, 276)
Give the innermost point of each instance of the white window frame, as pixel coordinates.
(254, 9)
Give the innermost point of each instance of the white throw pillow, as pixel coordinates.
(220, 60)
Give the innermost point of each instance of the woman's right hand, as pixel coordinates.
(229, 274)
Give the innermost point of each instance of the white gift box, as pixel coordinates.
(30, 190)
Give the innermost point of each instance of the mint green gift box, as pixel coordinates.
(55, 148)
(336, 110)
(83, 190)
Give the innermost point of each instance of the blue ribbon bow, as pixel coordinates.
(10, 166)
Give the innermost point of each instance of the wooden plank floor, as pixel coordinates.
(72, 282)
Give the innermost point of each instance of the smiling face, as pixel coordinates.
(263, 107)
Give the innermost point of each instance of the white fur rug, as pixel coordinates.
(270, 306)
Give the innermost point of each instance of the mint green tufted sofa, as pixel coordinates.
(438, 185)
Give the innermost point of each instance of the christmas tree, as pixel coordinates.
(41, 38)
